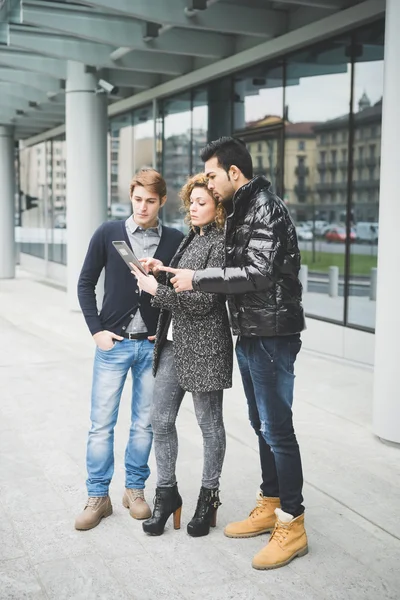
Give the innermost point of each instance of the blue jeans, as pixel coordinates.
(109, 374)
(267, 368)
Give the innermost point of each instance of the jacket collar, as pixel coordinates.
(207, 229)
(250, 188)
(133, 226)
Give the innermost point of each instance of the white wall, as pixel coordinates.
(339, 342)
(54, 272)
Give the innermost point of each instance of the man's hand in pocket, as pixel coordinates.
(105, 339)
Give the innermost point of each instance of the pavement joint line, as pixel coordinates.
(53, 284)
(392, 535)
(337, 359)
(333, 414)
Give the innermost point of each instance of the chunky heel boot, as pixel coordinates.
(167, 501)
(206, 513)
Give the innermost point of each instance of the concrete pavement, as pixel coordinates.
(352, 481)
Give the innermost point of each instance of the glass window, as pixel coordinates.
(120, 165)
(34, 196)
(177, 113)
(17, 197)
(368, 90)
(181, 131)
(258, 119)
(42, 206)
(131, 144)
(317, 98)
(199, 128)
(57, 236)
(143, 138)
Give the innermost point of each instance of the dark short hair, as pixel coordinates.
(229, 151)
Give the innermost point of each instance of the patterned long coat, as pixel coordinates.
(202, 339)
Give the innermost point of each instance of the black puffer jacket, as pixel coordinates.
(262, 262)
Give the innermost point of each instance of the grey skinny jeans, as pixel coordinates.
(168, 396)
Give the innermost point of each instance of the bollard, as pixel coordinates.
(303, 276)
(374, 279)
(333, 282)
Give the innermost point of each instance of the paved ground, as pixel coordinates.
(352, 487)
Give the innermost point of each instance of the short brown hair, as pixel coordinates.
(200, 181)
(151, 180)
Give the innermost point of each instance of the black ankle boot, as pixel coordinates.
(167, 501)
(206, 513)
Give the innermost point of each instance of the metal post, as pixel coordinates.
(374, 281)
(303, 276)
(333, 282)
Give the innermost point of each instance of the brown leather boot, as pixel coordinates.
(95, 510)
(261, 519)
(288, 540)
(135, 501)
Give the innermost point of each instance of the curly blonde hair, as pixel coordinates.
(200, 181)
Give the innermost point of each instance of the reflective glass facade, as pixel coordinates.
(42, 201)
(312, 122)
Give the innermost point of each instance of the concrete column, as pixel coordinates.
(7, 203)
(86, 135)
(239, 118)
(220, 105)
(386, 413)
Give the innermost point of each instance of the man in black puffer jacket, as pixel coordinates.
(260, 278)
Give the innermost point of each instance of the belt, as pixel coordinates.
(135, 336)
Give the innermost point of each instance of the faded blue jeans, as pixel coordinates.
(109, 374)
(267, 368)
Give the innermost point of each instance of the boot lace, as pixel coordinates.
(135, 494)
(157, 502)
(259, 507)
(93, 503)
(280, 533)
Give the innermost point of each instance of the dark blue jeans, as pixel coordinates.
(267, 368)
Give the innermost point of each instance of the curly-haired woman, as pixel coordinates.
(193, 352)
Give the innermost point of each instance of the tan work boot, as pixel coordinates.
(135, 501)
(95, 510)
(288, 540)
(261, 519)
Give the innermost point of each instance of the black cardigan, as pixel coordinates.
(121, 297)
